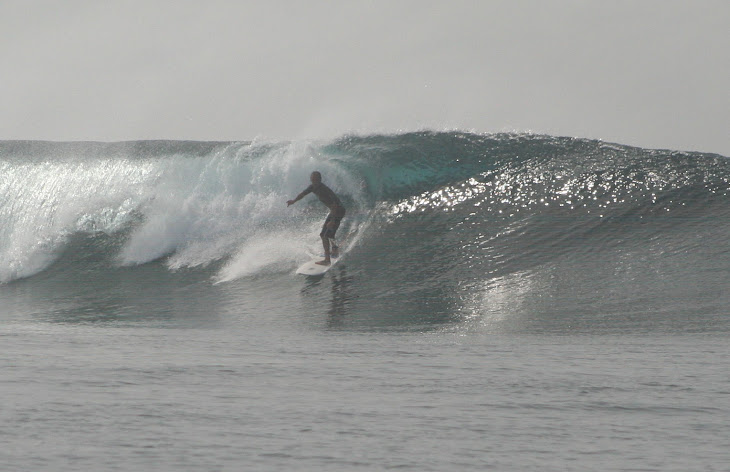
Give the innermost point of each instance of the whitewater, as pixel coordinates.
(505, 301)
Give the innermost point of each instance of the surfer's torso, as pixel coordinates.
(328, 197)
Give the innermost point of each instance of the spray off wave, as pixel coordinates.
(190, 203)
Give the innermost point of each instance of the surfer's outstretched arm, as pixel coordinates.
(300, 196)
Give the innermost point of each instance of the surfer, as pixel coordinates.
(337, 212)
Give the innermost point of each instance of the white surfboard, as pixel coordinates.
(312, 268)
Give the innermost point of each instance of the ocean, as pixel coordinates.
(509, 302)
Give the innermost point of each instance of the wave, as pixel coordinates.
(457, 206)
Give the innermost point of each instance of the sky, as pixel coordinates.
(650, 73)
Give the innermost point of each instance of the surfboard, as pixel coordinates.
(312, 268)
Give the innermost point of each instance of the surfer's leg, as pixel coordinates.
(330, 229)
(326, 246)
(325, 241)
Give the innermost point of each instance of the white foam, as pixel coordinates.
(41, 204)
(193, 210)
(269, 253)
(209, 208)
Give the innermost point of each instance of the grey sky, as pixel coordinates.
(653, 73)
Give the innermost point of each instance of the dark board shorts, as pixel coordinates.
(330, 232)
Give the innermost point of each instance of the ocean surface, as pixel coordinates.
(507, 302)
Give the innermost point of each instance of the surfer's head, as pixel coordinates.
(316, 177)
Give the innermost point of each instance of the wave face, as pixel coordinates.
(446, 225)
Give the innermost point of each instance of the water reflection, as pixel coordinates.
(340, 296)
(333, 287)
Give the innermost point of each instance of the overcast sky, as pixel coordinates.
(652, 73)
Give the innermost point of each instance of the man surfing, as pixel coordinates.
(337, 212)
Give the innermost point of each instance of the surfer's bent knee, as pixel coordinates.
(331, 224)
